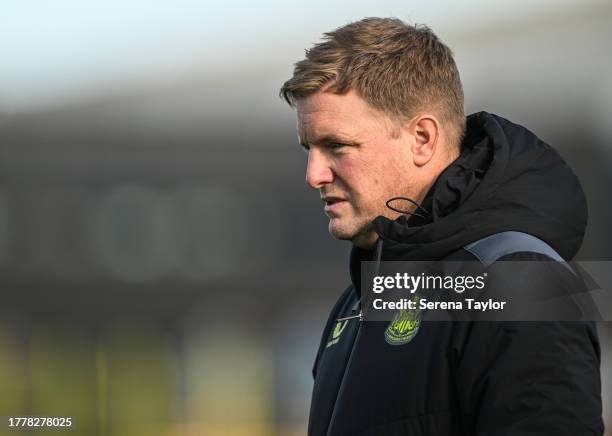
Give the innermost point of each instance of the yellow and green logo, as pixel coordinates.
(338, 329)
(404, 327)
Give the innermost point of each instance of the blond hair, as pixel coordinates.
(397, 68)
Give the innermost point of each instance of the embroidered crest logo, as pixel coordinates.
(338, 329)
(404, 327)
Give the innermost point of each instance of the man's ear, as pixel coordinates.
(425, 129)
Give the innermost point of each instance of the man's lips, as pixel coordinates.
(332, 202)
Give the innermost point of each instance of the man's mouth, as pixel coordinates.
(332, 203)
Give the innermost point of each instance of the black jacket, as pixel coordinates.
(468, 378)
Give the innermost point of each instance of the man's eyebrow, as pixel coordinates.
(329, 139)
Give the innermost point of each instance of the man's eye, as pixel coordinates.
(336, 145)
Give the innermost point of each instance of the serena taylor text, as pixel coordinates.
(467, 303)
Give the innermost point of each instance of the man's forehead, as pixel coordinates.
(325, 114)
(321, 129)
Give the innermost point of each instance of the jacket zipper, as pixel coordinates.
(346, 368)
(359, 316)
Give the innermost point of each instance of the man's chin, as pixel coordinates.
(339, 232)
(359, 237)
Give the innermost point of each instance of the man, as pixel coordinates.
(380, 114)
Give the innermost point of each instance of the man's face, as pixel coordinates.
(356, 160)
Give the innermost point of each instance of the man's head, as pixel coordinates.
(380, 111)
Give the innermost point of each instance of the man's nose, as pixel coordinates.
(318, 171)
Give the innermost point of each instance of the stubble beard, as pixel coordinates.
(358, 230)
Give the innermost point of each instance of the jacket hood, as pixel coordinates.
(506, 178)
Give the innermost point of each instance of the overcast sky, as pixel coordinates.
(65, 50)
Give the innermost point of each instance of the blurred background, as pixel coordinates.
(163, 268)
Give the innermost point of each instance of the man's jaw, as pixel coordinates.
(363, 237)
